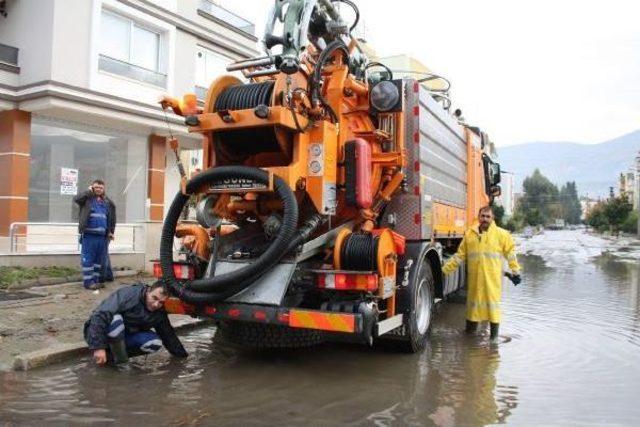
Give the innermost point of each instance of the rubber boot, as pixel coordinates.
(471, 328)
(118, 352)
(494, 329)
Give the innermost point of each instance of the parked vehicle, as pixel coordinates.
(331, 196)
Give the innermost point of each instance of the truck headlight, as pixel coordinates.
(385, 96)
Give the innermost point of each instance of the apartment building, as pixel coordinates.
(80, 82)
(507, 199)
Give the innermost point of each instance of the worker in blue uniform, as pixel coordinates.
(96, 227)
(131, 321)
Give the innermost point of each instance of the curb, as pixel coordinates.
(62, 352)
(49, 356)
(49, 281)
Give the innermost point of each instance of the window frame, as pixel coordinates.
(208, 52)
(132, 24)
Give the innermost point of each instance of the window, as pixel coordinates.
(209, 66)
(8, 55)
(127, 48)
(118, 158)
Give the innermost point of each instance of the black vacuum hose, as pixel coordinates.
(217, 288)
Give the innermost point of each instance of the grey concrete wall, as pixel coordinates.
(152, 249)
(29, 27)
(5, 245)
(71, 44)
(133, 261)
(185, 60)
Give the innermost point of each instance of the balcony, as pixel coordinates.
(210, 10)
(9, 58)
(115, 66)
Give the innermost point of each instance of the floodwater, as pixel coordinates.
(569, 355)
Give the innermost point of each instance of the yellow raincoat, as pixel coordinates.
(483, 254)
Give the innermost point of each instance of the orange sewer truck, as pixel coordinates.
(331, 193)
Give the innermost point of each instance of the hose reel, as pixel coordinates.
(364, 251)
(218, 288)
(245, 96)
(237, 144)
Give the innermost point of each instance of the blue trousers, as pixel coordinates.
(106, 274)
(138, 343)
(93, 253)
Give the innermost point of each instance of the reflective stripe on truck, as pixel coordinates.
(294, 318)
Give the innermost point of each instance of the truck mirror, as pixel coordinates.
(496, 173)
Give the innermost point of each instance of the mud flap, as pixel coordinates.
(269, 289)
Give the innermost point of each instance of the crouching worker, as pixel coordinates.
(122, 325)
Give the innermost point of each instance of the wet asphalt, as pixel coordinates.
(569, 354)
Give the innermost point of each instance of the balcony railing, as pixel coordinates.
(62, 237)
(9, 58)
(210, 10)
(131, 71)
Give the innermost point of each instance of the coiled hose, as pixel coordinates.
(218, 288)
(242, 97)
(359, 252)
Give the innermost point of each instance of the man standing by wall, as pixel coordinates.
(483, 248)
(96, 226)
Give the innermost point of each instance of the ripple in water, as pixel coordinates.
(569, 355)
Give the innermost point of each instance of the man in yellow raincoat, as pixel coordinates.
(483, 248)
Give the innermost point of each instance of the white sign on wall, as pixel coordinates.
(68, 181)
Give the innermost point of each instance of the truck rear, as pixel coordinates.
(331, 197)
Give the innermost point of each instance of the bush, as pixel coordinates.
(597, 218)
(630, 225)
(11, 275)
(515, 223)
(612, 215)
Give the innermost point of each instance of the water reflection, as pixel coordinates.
(569, 356)
(466, 371)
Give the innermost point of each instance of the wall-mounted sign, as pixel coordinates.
(68, 181)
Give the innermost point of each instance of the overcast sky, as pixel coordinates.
(524, 70)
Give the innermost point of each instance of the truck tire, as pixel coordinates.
(259, 335)
(416, 303)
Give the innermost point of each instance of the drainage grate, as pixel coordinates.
(16, 296)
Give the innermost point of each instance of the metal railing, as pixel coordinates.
(135, 72)
(63, 237)
(9, 54)
(221, 14)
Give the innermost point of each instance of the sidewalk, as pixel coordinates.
(42, 329)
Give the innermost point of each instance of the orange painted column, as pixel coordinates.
(15, 149)
(155, 187)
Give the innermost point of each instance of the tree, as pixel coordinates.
(540, 202)
(631, 223)
(571, 207)
(498, 214)
(617, 210)
(597, 219)
(614, 214)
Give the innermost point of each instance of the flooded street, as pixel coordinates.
(569, 355)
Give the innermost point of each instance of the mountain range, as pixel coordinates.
(594, 167)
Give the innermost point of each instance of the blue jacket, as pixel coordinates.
(83, 200)
(129, 302)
